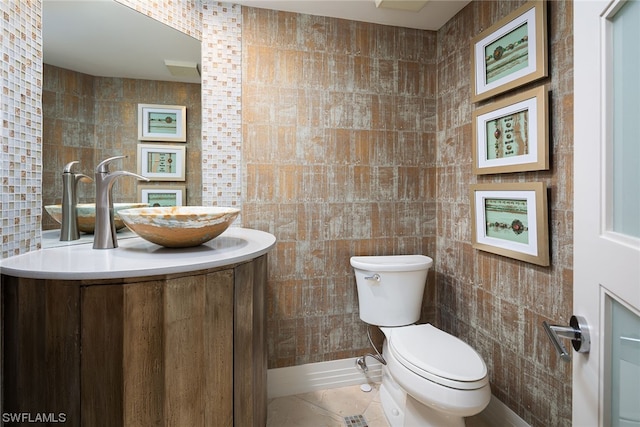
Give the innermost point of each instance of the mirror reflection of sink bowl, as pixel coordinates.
(179, 226)
(87, 214)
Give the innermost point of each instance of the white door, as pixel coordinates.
(606, 381)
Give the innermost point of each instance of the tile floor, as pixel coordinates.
(328, 408)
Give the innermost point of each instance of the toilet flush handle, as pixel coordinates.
(375, 277)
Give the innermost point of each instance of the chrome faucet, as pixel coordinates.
(105, 230)
(70, 181)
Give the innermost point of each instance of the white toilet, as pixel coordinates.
(431, 378)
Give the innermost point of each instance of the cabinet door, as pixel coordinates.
(41, 349)
(250, 371)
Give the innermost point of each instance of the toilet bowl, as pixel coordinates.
(431, 378)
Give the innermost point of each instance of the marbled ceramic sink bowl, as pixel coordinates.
(179, 226)
(87, 214)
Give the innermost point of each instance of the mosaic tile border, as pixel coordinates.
(221, 104)
(21, 109)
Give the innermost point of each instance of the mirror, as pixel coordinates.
(102, 59)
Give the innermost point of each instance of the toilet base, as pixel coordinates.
(393, 400)
(402, 410)
(417, 414)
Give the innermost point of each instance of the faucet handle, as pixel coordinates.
(67, 167)
(80, 177)
(103, 166)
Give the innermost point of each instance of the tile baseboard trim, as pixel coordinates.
(342, 373)
(320, 376)
(497, 413)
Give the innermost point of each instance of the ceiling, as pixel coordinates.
(105, 38)
(431, 17)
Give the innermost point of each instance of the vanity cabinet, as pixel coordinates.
(184, 349)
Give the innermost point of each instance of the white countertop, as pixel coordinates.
(51, 238)
(135, 257)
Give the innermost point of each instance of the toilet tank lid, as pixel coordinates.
(392, 262)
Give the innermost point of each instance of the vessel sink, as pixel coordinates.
(87, 214)
(179, 226)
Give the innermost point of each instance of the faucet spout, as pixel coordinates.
(105, 229)
(69, 230)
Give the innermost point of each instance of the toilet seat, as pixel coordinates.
(437, 356)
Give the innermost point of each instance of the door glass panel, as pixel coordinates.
(625, 367)
(626, 125)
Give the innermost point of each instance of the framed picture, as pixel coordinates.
(161, 162)
(512, 135)
(511, 220)
(511, 52)
(162, 195)
(162, 123)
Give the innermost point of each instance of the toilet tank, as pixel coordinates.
(390, 288)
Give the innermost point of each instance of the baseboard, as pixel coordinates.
(320, 376)
(341, 373)
(497, 413)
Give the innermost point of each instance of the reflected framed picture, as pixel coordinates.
(511, 220)
(162, 195)
(162, 123)
(511, 52)
(512, 135)
(162, 162)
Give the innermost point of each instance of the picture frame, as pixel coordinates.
(162, 162)
(162, 195)
(512, 135)
(162, 123)
(511, 220)
(510, 53)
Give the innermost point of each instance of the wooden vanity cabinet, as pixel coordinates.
(176, 350)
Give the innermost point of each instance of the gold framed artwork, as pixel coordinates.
(162, 195)
(511, 220)
(162, 162)
(162, 123)
(511, 52)
(512, 135)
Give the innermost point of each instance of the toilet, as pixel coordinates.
(430, 378)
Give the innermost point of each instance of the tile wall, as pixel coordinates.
(20, 106)
(339, 121)
(495, 303)
(221, 105)
(357, 141)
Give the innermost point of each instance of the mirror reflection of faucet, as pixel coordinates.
(69, 230)
(105, 230)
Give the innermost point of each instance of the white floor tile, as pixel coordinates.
(343, 401)
(295, 412)
(327, 408)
